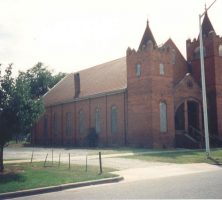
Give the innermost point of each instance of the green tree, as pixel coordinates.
(28, 109)
(18, 110)
(40, 79)
(8, 117)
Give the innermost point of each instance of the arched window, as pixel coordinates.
(45, 125)
(81, 121)
(197, 52)
(138, 69)
(162, 69)
(163, 117)
(149, 45)
(173, 57)
(220, 50)
(113, 119)
(97, 121)
(55, 124)
(68, 123)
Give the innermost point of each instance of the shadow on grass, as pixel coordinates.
(12, 177)
(214, 161)
(176, 154)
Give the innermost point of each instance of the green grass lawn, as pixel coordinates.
(197, 156)
(25, 176)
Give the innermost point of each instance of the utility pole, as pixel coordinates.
(206, 129)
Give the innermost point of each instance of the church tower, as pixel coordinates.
(213, 71)
(150, 94)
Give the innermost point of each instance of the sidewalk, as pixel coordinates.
(161, 171)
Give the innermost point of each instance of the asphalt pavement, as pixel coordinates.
(199, 185)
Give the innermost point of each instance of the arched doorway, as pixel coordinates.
(188, 114)
(193, 114)
(179, 118)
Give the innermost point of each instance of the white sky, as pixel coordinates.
(69, 35)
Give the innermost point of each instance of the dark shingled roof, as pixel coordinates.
(146, 37)
(104, 78)
(207, 27)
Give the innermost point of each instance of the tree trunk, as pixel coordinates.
(1, 159)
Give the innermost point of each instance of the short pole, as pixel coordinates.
(45, 160)
(86, 163)
(59, 159)
(52, 157)
(69, 160)
(100, 163)
(32, 157)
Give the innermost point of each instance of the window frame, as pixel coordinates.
(161, 69)
(68, 125)
(114, 119)
(45, 125)
(220, 50)
(54, 124)
(138, 69)
(97, 121)
(81, 121)
(163, 117)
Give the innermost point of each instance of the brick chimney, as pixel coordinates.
(77, 84)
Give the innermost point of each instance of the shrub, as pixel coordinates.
(92, 137)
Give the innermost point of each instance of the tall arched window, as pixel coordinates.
(220, 50)
(55, 124)
(81, 121)
(68, 123)
(197, 52)
(138, 70)
(113, 119)
(162, 72)
(173, 57)
(45, 125)
(163, 117)
(97, 121)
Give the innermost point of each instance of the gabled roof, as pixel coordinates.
(187, 83)
(146, 37)
(170, 43)
(104, 78)
(207, 27)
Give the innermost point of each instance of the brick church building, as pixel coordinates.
(150, 98)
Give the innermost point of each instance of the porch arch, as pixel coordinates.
(188, 113)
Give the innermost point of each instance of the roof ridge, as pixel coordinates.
(101, 64)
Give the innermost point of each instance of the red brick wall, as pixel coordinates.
(68, 139)
(88, 106)
(99, 103)
(144, 96)
(40, 136)
(213, 71)
(117, 138)
(57, 139)
(138, 106)
(218, 80)
(85, 107)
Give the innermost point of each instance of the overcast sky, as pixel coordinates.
(70, 35)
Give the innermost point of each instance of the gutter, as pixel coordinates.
(90, 97)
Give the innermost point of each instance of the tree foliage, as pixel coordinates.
(20, 101)
(8, 116)
(40, 79)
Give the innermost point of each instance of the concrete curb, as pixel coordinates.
(58, 188)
